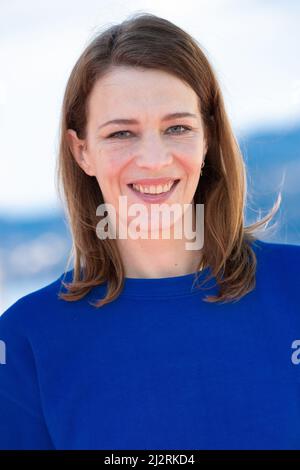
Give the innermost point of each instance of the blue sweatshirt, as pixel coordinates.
(158, 368)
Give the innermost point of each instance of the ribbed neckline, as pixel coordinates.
(165, 286)
(155, 287)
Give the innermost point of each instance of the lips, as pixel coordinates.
(156, 198)
(153, 181)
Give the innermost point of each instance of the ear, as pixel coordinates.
(77, 147)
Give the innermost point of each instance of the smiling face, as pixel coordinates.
(146, 145)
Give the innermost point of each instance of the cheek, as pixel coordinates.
(108, 171)
(110, 163)
(190, 155)
(108, 176)
(191, 164)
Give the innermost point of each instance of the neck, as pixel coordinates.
(158, 258)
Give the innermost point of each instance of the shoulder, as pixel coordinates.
(278, 263)
(33, 305)
(286, 254)
(275, 248)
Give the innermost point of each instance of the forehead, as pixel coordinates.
(130, 89)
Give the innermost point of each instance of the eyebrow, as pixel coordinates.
(168, 117)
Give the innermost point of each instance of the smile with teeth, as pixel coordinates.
(159, 189)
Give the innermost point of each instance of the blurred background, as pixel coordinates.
(254, 49)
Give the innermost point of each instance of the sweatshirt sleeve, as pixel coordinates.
(22, 423)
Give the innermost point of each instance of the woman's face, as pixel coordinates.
(146, 145)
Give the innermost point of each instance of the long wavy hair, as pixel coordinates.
(148, 41)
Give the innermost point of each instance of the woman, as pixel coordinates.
(149, 343)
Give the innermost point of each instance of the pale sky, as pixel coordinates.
(252, 45)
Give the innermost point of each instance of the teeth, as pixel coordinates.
(154, 189)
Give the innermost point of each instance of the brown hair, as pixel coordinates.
(145, 40)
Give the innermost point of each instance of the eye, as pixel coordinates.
(186, 129)
(115, 134)
(183, 127)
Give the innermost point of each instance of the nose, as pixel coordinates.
(153, 153)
